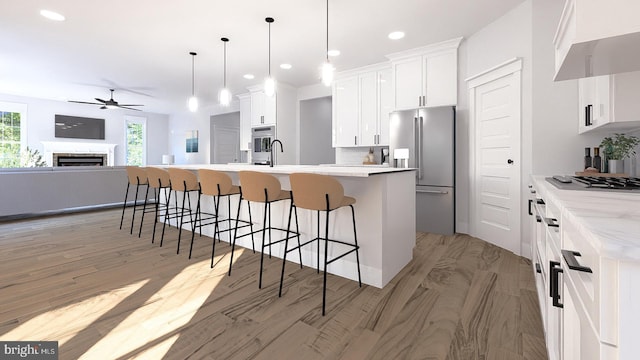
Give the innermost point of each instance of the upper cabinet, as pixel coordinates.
(263, 107)
(609, 102)
(361, 104)
(597, 38)
(426, 76)
(245, 121)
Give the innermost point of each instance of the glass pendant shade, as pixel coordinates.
(270, 86)
(225, 97)
(327, 73)
(193, 103)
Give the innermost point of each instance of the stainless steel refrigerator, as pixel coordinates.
(429, 136)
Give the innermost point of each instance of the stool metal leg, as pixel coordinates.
(184, 198)
(124, 204)
(235, 233)
(318, 252)
(194, 224)
(135, 203)
(166, 216)
(264, 224)
(355, 240)
(144, 209)
(326, 253)
(253, 242)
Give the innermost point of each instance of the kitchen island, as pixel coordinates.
(385, 217)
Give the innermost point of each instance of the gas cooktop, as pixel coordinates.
(597, 183)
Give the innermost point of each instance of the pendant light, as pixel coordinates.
(225, 94)
(193, 100)
(327, 68)
(269, 83)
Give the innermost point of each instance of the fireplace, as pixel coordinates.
(60, 153)
(79, 159)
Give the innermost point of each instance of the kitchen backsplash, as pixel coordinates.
(355, 155)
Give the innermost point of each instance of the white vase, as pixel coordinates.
(616, 166)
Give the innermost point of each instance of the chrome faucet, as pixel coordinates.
(271, 150)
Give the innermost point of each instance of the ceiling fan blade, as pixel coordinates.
(84, 102)
(102, 101)
(129, 105)
(128, 108)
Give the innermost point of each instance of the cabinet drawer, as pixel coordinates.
(596, 290)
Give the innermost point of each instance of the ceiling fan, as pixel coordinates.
(109, 104)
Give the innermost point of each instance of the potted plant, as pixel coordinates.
(617, 149)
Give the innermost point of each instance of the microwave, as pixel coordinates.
(261, 138)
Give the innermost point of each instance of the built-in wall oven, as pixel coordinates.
(261, 138)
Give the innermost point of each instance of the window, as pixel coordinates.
(136, 141)
(12, 134)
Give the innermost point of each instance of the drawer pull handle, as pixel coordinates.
(530, 201)
(551, 222)
(570, 258)
(538, 269)
(538, 218)
(540, 202)
(555, 268)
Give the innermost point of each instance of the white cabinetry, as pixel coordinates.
(263, 108)
(609, 102)
(345, 112)
(427, 76)
(597, 38)
(245, 121)
(361, 106)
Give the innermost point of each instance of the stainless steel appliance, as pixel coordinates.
(429, 136)
(261, 138)
(595, 183)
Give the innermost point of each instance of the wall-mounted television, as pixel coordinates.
(79, 127)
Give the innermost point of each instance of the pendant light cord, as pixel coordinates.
(269, 49)
(193, 91)
(327, 53)
(225, 66)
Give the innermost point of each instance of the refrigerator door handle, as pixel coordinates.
(420, 139)
(416, 147)
(432, 192)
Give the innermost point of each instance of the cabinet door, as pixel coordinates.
(245, 122)
(441, 79)
(385, 105)
(270, 110)
(407, 75)
(345, 112)
(257, 108)
(586, 102)
(602, 102)
(368, 109)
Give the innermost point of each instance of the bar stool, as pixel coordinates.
(159, 181)
(262, 188)
(186, 182)
(138, 176)
(218, 184)
(321, 193)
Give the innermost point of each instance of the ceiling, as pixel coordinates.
(141, 48)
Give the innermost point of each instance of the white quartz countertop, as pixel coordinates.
(610, 221)
(347, 171)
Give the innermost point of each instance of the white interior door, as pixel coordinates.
(495, 122)
(226, 145)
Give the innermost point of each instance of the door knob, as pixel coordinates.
(509, 161)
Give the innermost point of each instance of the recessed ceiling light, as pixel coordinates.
(52, 15)
(396, 35)
(333, 52)
(285, 66)
(248, 76)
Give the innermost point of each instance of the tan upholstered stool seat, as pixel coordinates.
(262, 188)
(218, 184)
(321, 193)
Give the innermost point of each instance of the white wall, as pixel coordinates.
(506, 38)
(40, 125)
(306, 93)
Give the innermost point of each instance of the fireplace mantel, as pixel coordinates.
(51, 147)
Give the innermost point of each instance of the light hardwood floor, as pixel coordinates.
(105, 294)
